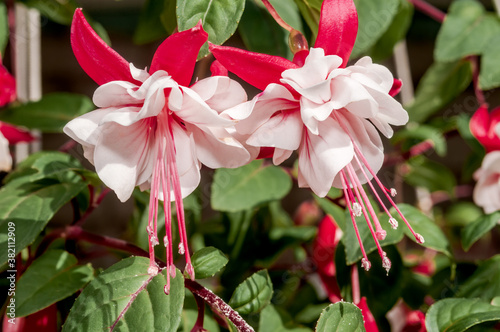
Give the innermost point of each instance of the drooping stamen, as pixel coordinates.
(380, 233)
(167, 239)
(419, 238)
(392, 221)
(153, 215)
(172, 165)
(364, 261)
(370, 227)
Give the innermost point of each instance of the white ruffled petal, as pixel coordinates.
(5, 157)
(216, 148)
(220, 92)
(323, 156)
(194, 110)
(124, 157)
(115, 93)
(283, 131)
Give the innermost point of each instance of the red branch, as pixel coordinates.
(276, 16)
(429, 10)
(216, 303)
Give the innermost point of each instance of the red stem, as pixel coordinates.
(429, 10)
(216, 303)
(276, 16)
(356, 292)
(198, 325)
(474, 60)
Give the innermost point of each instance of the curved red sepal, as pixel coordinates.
(177, 54)
(370, 323)
(299, 58)
(482, 126)
(7, 86)
(338, 27)
(257, 69)
(97, 59)
(14, 135)
(396, 87)
(217, 69)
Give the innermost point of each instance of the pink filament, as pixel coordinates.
(346, 189)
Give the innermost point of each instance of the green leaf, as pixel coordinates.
(341, 316)
(50, 278)
(45, 165)
(310, 10)
(456, 315)
(4, 28)
(49, 114)
(248, 186)
(107, 296)
(253, 294)
(414, 134)
(58, 11)
(150, 26)
(433, 235)
(257, 22)
(27, 208)
(374, 19)
(397, 31)
(430, 174)
(352, 249)
(440, 85)
(467, 30)
(288, 11)
(271, 321)
(462, 214)
(208, 261)
(484, 283)
(220, 18)
(476, 230)
(489, 75)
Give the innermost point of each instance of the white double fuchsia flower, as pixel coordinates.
(153, 131)
(327, 112)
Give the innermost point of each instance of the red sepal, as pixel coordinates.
(14, 135)
(177, 54)
(338, 27)
(97, 59)
(7, 86)
(257, 69)
(217, 69)
(370, 323)
(482, 125)
(396, 87)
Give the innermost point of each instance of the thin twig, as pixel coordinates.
(216, 303)
(429, 10)
(276, 16)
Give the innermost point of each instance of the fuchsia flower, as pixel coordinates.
(483, 126)
(7, 86)
(326, 111)
(153, 131)
(9, 134)
(486, 129)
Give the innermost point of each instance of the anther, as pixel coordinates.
(393, 222)
(365, 263)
